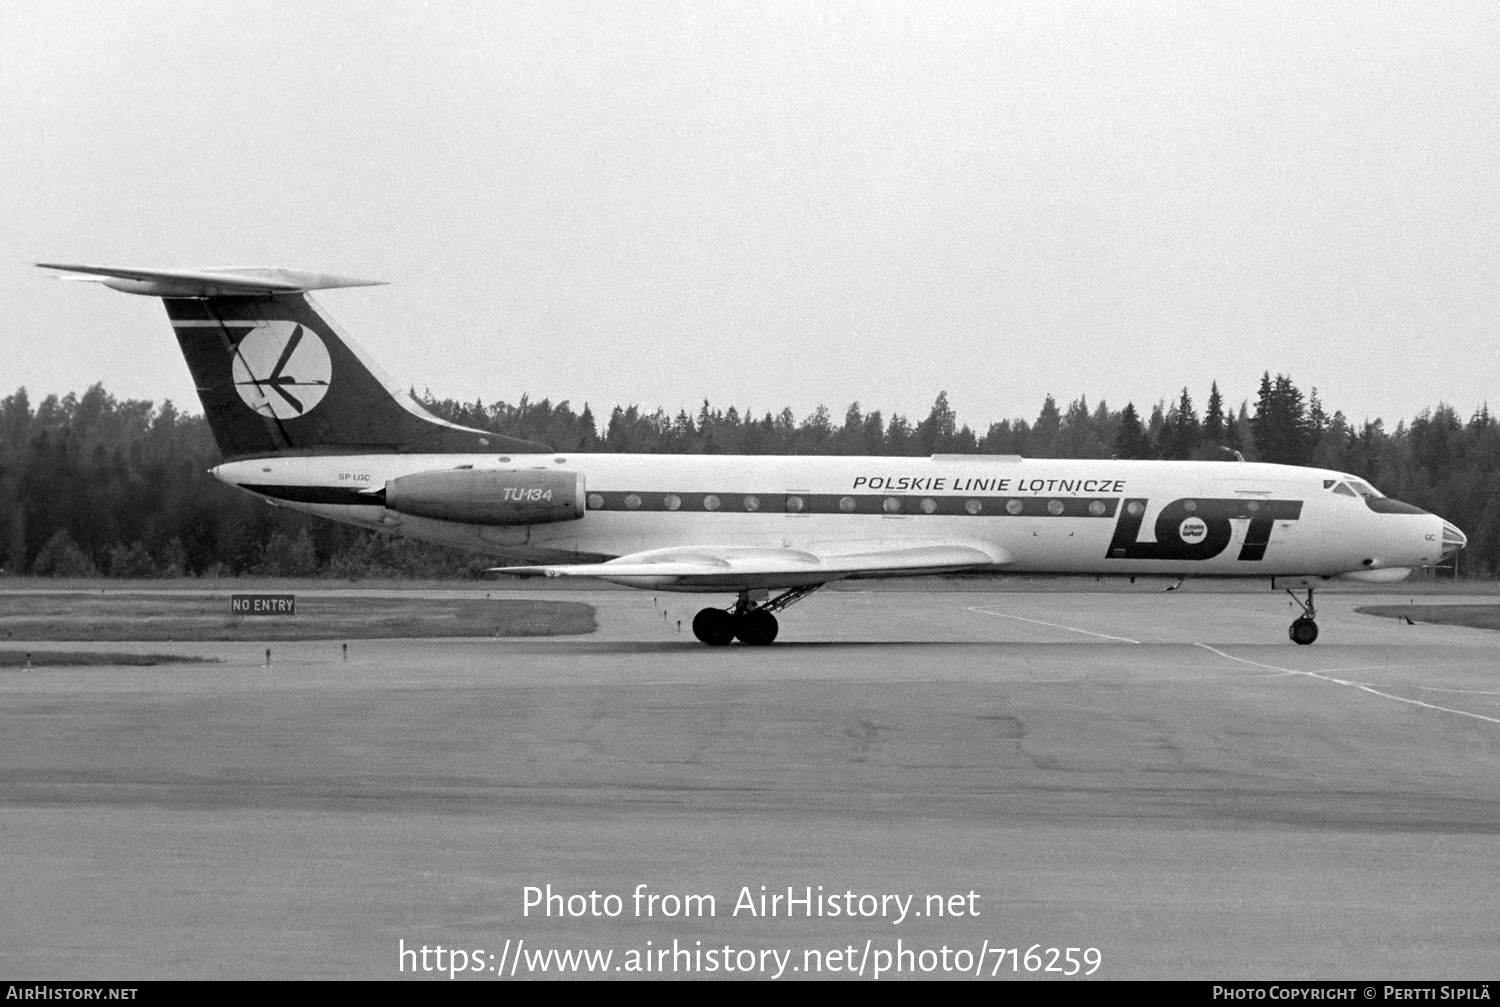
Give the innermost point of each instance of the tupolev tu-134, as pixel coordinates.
(305, 420)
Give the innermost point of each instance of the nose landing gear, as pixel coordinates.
(751, 624)
(1304, 630)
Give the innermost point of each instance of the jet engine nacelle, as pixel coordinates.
(489, 496)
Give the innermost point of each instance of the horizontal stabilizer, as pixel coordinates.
(236, 281)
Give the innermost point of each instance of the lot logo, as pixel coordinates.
(1199, 529)
(1192, 530)
(281, 369)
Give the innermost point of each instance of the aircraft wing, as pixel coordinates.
(739, 568)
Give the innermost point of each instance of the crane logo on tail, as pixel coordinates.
(281, 369)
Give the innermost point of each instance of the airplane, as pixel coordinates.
(305, 420)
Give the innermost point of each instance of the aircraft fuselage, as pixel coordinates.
(1029, 515)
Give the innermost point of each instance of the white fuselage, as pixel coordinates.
(1029, 515)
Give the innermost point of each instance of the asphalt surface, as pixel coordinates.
(1162, 778)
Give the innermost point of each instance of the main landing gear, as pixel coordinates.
(1304, 630)
(751, 624)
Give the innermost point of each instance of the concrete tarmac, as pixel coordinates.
(1163, 778)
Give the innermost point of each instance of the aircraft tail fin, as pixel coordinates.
(277, 376)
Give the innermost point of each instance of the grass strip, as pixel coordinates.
(91, 658)
(1473, 616)
(194, 618)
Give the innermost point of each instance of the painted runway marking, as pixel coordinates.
(1218, 676)
(1323, 677)
(1054, 625)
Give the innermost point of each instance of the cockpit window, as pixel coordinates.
(1365, 490)
(1343, 490)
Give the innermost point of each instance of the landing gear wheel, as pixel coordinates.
(756, 628)
(714, 626)
(1303, 632)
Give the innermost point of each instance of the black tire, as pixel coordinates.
(1303, 632)
(756, 629)
(714, 626)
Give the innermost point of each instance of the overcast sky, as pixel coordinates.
(777, 204)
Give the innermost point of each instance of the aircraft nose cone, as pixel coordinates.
(1453, 539)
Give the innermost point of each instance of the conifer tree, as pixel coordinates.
(1131, 441)
(1213, 418)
